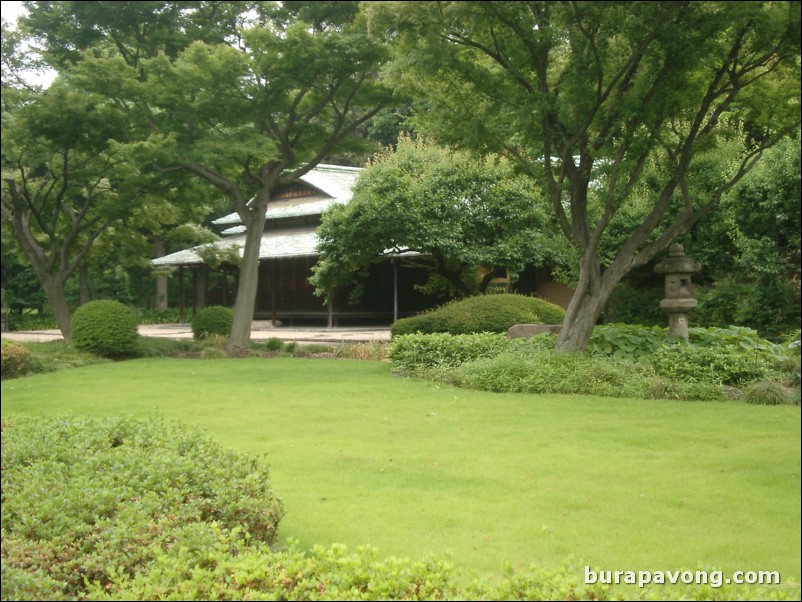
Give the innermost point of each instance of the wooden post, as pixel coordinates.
(194, 289)
(181, 294)
(394, 261)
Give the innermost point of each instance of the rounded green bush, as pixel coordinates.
(483, 313)
(212, 320)
(16, 359)
(106, 328)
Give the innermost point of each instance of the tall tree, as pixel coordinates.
(67, 32)
(64, 182)
(459, 212)
(250, 120)
(589, 97)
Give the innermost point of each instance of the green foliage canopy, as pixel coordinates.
(606, 107)
(455, 212)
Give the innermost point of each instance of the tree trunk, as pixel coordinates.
(83, 284)
(199, 294)
(161, 281)
(591, 296)
(54, 291)
(247, 286)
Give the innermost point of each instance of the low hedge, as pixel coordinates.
(483, 313)
(128, 491)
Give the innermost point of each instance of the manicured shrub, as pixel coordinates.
(766, 394)
(214, 319)
(96, 501)
(106, 328)
(16, 359)
(483, 313)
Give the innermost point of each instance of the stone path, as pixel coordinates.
(260, 330)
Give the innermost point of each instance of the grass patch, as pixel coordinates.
(412, 467)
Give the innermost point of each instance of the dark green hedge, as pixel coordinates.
(212, 320)
(106, 328)
(483, 313)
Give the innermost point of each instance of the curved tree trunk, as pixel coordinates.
(247, 285)
(591, 296)
(54, 291)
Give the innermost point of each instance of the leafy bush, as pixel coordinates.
(228, 569)
(129, 492)
(214, 319)
(748, 340)
(628, 341)
(722, 364)
(106, 328)
(16, 359)
(547, 371)
(415, 352)
(766, 394)
(483, 313)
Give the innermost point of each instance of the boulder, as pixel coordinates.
(520, 331)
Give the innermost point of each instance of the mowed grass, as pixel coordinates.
(411, 467)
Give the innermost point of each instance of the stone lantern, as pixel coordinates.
(679, 299)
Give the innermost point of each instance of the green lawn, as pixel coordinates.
(412, 467)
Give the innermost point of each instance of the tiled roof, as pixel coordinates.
(333, 181)
(334, 184)
(296, 242)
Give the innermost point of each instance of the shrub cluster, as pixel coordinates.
(95, 501)
(16, 358)
(413, 352)
(624, 361)
(483, 313)
(212, 320)
(104, 327)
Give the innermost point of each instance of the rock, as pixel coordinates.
(520, 331)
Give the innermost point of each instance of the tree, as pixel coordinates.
(249, 121)
(68, 32)
(64, 182)
(459, 212)
(590, 97)
(752, 252)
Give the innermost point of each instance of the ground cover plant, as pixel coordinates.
(411, 467)
(621, 361)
